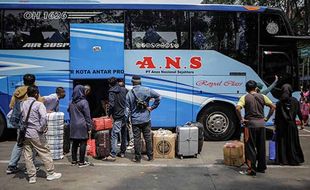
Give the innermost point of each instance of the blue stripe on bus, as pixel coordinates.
(96, 6)
(97, 34)
(35, 58)
(112, 27)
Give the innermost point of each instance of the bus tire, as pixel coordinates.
(2, 125)
(219, 122)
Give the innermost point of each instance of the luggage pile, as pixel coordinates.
(55, 132)
(100, 145)
(234, 153)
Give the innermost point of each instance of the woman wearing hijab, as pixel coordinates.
(287, 140)
(80, 124)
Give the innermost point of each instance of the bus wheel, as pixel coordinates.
(2, 125)
(219, 122)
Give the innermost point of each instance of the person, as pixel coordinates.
(51, 101)
(305, 105)
(139, 111)
(117, 99)
(35, 136)
(80, 125)
(254, 127)
(267, 90)
(129, 128)
(20, 94)
(288, 149)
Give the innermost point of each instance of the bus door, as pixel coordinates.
(96, 51)
(280, 62)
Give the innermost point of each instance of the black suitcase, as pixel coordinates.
(200, 134)
(66, 142)
(103, 143)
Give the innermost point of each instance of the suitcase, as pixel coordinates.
(164, 144)
(234, 153)
(272, 148)
(187, 141)
(91, 147)
(66, 139)
(102, 123)
(103, 143)
(55, 119)
(201, 132)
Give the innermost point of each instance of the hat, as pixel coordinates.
(259, 86)
(136, 78)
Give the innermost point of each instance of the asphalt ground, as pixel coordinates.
(205, 172)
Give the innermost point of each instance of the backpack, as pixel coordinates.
(141, 105)
(16, 116)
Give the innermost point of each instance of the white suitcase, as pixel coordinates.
(187, 141)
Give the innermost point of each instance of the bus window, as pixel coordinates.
(96, 16)
(280, 64)
(157, 30)
(35, 29)
(271, 25)
(232, 34)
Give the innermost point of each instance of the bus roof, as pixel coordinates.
(99, 4)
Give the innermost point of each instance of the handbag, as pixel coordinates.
(22, 131)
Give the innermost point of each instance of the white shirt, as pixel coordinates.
(51, 102)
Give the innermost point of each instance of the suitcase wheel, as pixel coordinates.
(196, 155)
(181, 157)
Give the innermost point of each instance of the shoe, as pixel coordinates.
(32, 180)
(83, 165)
(121, 155)
(136, 160)
(26, 173)
(109, 158)
(249, 173)
(12, 169)
(150, 158)
(74, 163)
(53, 176)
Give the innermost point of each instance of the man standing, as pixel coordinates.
(35, 113)
(117, 98)
(19, 95)
(254, 127)
(51, 101)
(138, 109)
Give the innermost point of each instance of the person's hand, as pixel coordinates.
(45, 130)
(244, 121)
(149, 108)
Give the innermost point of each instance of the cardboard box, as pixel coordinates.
(164, 144)
(234, 153)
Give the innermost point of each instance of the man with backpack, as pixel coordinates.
(34, 119)
(139, 110)
(19, 95)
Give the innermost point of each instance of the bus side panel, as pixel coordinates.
(165, 114)
(184, 99)
(4, 96)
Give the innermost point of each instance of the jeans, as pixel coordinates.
(75, 145)
(145, 128)
(119, 126)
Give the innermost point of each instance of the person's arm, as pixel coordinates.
(43, 119)
(240, 105)
(86, 113)
(270, 105)
(267, 90)
(111, 103)
(127, 107)
(156, 103)
(12, 102)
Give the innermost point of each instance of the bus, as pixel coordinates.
(197, 57)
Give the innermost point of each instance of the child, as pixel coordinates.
(304, 109)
